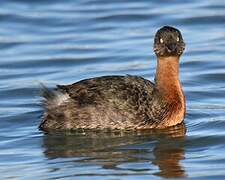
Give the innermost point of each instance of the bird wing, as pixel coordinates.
(117, 91)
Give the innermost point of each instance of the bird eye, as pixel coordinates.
(178, 39)
(161, 40)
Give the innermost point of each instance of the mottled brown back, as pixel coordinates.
(115, 102)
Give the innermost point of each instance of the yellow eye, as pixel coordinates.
(178, 39)
(161, 40)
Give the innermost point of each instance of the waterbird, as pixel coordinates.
(122, 102)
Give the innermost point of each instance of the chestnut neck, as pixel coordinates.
(167, 75)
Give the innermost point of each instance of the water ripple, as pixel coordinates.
(57, 42)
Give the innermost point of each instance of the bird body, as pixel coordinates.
(120, 102)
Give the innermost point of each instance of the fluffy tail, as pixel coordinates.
(47, 93)
(52, 98)
(53, 115)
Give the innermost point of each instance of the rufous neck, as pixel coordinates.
(167, 73)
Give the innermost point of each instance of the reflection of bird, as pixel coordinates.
(168, 154)
(111, 151)
(123, 102)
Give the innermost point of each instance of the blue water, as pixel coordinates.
(60, 42)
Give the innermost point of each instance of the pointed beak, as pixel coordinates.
(171, 47)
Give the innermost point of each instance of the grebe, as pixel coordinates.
(122, 102)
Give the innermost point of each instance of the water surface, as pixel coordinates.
(60, 42)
